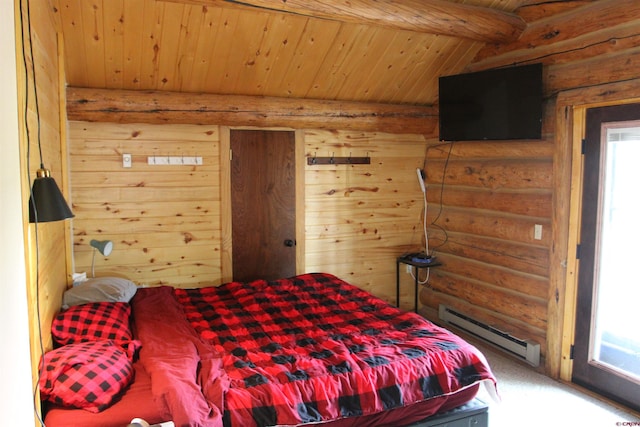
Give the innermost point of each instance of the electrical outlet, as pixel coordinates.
(408, 268)
(537, 232)
(78, 278)
(126, 160)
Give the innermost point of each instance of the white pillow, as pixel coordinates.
(100, 289)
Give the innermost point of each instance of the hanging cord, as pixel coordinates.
(36, 403)
(424, 224)
(36, 104)
(433, 223)
(441, 207)
(426, 241)
(426, 245)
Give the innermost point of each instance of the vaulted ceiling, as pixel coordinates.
(360, 50)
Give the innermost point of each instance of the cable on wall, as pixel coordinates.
(424, 223)
(442, 182)
(421, 176)
(36, 402)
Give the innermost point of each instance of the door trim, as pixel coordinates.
(589, 370)
(226, 249)
(575, 104)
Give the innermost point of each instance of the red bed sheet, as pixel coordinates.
(311, 349)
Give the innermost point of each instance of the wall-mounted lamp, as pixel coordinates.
(104, 247)
(47, 203)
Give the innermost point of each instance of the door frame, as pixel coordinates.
(226, 215)
(591, 371)
(573, 106)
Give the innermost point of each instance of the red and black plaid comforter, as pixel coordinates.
(313, 348)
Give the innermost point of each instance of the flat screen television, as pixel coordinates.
(498, 104)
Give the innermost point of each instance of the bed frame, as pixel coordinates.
(471, 414)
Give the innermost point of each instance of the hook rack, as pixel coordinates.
(174, 160)
(313, 161)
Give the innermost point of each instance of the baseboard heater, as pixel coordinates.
(527, 350)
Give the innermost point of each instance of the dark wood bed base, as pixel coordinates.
(471, 414)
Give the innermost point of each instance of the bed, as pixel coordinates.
(311, 349)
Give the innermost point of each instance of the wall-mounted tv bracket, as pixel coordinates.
(312, 161)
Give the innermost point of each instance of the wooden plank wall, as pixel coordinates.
(359, 218)
(164, 220)
(495, 192)
(47, 245)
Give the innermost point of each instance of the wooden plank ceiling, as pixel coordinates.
(367, 50)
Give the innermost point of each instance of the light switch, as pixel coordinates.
(126, 160)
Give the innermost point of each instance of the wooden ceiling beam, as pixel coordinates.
(425, 16)
(160, 107)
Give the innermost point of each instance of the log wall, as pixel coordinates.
(494, 193)
(485, 199)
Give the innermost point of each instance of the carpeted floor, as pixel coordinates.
(529, 398)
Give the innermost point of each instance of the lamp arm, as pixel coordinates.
(93, 262)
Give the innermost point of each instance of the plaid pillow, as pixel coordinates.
(93, 322)
(85, 375)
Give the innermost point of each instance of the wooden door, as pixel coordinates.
(263, 204)
(607, 338)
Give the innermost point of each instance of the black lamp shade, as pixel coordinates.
(47, 201)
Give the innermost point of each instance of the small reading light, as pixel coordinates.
(104, 247)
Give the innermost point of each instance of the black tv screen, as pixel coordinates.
(497, 104)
